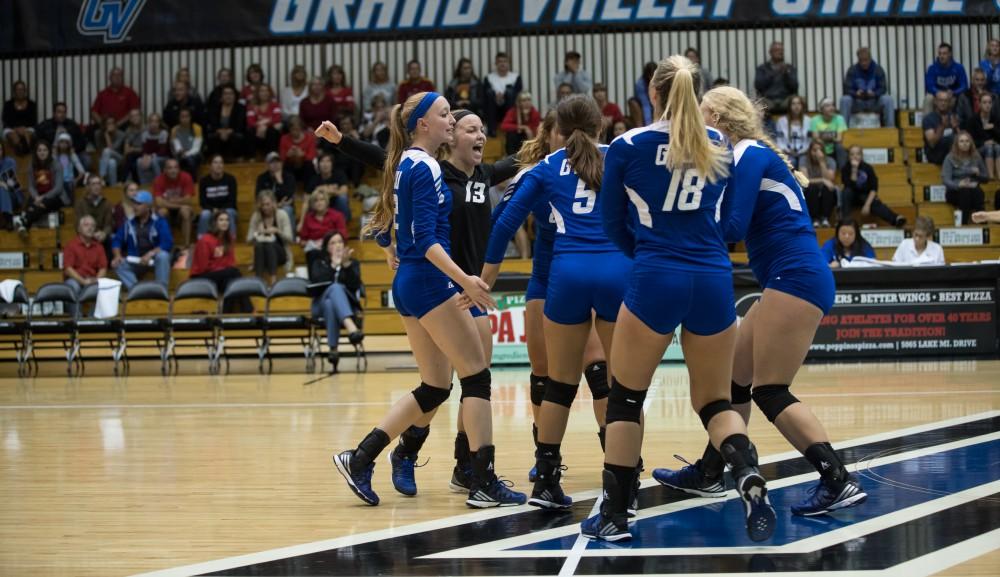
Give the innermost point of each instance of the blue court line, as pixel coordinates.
(720, 524)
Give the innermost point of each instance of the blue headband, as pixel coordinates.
(425, 104)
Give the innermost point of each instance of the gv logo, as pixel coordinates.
(111, 19)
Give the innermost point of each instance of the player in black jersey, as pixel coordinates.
(470, 180)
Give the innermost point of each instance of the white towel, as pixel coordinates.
(7, 288)
(107, 298)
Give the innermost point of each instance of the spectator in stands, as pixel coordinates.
(110, 143)
(465, 91)
(694, 56)
(115, 101)
(254, 78)
(940, 127)
(776, 80)
(642, 92)
(52, 127)
(280, 182)
(317, 222)
(521, 122)
(19, 117)
(610, 113)
(985, 131)
(414, 83)
(215, 259)
(847, 244)
(270, 233)
(142, 244)
(11, 195)
(45, 187)
(920, 250)
(73, 171)
(574, 74)
(182, 99)
(828, 127)
(155, 141)
(990, 65)
(217, 192)
(563, 91)
(968, 102)
(174, 194)
(298, 150)
(124, 210)
(375, 122)
(264, 121)
(331, 181)
(962, 172)
(292, 94)
(223, 79)
(502, 87)
(186, 140)
(94, 205)
(619, 128)
(84, 257)
(227, 126)
(792, 131)
(821, 194)
(140, 168)
(183, 74)
(317, 106)
(340, 92)
(378, 83)
(336, 303)
(945, 74)
(861, 187)
(865, 90)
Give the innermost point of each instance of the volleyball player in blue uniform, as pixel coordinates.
(765, 206)
(663, 185)
(586, 276)
(416, 204)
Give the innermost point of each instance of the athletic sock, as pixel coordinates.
(712, 463)
(368, 450)
(825, 460)
(463, 457)
(548, 451)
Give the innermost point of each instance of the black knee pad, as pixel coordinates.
(560, 393)
(430, 398)
(624, 404)
(773, 399)
(597, 379)
(477, 385)
(714, 408)
(537, 389)
(740, 394)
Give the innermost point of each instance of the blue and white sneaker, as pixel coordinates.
(824, 498)
(600, 528)
(360, 483)
(691, 479)
(496, 494)
(760, 517)
(547, 492)
(403, 477)
(533, 474)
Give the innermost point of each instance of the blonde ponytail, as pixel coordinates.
(802, 179)
(534, 150)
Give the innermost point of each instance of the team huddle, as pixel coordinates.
(631, 241)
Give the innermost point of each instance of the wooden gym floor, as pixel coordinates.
(105, 476)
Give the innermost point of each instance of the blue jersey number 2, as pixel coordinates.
(683, 194)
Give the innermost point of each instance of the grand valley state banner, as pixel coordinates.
(51, 26)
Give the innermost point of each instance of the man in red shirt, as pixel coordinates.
(84, 259)
(173, 192)
(115, 101)
(414, 83)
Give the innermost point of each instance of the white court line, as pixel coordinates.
(349, 540)
(496, 402)
(499, 549)
(579, 547)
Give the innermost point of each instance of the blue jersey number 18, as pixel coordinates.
(683, 194)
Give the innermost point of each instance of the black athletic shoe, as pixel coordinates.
(760, 517)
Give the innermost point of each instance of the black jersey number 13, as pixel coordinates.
(475, 192)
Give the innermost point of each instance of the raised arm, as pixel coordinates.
(370, 154)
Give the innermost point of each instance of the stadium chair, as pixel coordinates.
(192, 319)
(56, 330)
(13, 333)
(242, 325)
(144, 321)
(100, 332)
(287, 319)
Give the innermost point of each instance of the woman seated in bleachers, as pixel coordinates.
(73, 171)
(962, 172)
(45, 187)
(270, 233)
(215, 258)
(846, 244)
(861, 188)
(317, 222)
(337, 302)
(821, 194)
(792, 131)
(920, 250)
(985, 131)
(333, 181)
